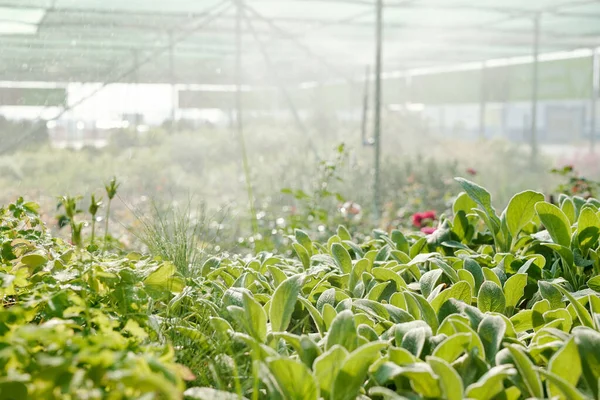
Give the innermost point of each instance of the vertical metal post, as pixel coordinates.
(239, 111)
(238, 67)
(172, 81)
(365, 109)
(377, 130)
(534, 94)
(595, 90)
(482, 103)
(136, 81)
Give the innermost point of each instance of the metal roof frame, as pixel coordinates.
(77, 40)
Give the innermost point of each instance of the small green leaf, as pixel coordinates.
(514, 288)
(556, 222)
(460, 291)
(341, 257)
(588, 230)
(521, 210)
(491, 331)
(491, 298)
(343, 331)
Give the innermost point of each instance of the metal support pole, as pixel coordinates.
(136, 81)
(534, 94)
(595, 90)
(239, 123)
(365, 110)
(172, 81)
(482, 103)
(377, 125)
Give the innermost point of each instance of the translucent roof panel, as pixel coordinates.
(291, 40)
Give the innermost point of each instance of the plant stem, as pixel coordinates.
(93, 229)
(106, 223)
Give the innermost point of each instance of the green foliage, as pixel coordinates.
(509, 310)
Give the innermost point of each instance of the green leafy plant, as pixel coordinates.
(111, 191)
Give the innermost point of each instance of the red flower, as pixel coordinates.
(471, 171)
(429, 215)
(428, 230)
(417, 218)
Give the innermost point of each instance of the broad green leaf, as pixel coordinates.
(479, 195)
(460, 291)
(327, 297)
(568, 207)
(450, 381)
(594, 283)
(161, 277)
(588, 343)
(414, 340)
(491, 276)
(521, 210)
(343, 233)
(34, 260)
(491, 298)
(556, 222)
(294, 379)
(302, 254)
(352, 375)
(562, 389)
(343, 332)
(528, 374)
(452, 347)
(522, 321)
(255, 317)
(315, 315)
(284, 301)
(304, 240)
(584, 316)
(326, 368)
(429, 280)
(341, 257)
(552, 294)
(491, 331)
(514, 288)
(566, 364)
(463, 203)
(475, 269)
(491, 384)
(588, 230)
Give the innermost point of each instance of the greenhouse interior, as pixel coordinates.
(299, 199)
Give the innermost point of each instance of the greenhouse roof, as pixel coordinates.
(305, 40)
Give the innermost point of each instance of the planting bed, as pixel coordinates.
(488, 306)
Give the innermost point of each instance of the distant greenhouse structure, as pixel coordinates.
(525, 71)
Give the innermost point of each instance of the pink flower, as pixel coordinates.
(417, 218)
(429, 215)
(428, 230)
(471, 171)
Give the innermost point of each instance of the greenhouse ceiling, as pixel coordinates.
(193, 41)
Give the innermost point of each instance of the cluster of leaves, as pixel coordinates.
(489, 306)
(75, 325)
